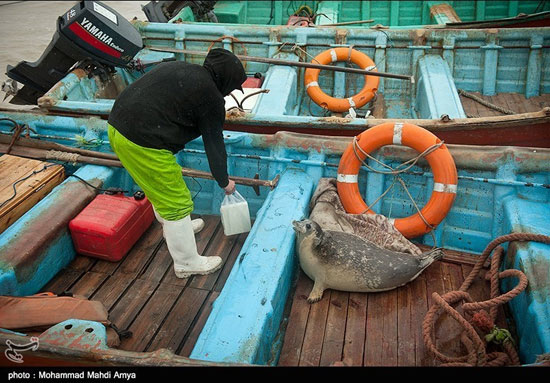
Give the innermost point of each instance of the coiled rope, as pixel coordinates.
(479, 318)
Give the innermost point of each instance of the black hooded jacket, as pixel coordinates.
(176, 102)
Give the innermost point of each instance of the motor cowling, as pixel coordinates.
(89, 31)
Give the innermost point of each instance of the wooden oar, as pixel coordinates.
(32, 148)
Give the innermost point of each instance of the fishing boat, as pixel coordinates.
(354, 14)
(471, 86)
(254, 310)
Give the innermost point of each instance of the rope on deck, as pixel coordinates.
(485, 102)
(62, 156)
(479, 318)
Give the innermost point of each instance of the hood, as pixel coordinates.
(226, 70)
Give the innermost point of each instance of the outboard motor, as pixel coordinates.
(91, 33)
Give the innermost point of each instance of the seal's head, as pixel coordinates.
(307, 228)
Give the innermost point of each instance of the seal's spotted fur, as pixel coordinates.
(346, 262)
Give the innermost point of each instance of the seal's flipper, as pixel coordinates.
(316, 293)
(429, 257)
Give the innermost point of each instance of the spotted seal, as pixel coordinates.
(346, 262)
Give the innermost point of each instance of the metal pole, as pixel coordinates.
(105, 159)
(266, 60)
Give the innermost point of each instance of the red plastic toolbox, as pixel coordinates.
(110, 225)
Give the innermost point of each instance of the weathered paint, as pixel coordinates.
(38, 245)
(487, 61)
(77, 334)
(494, 185)
(395, 14)
(436, 93)
(531, 309)
(251, 303)
(59, 355)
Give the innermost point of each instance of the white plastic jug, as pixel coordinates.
(235, 214)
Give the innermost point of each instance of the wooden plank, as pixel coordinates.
(13, 167)
(539, 102)
(88, 284)
(297, 322)
(518, 101)
(380, 328)
(159, 265)
(145, 326)
(354, 340)
(82, 263)
(333, 341)
(379, 106)
(140, 255)
(62, 281)
(230, 261)
(110, 292)
(476, 108)
(179, 320)
(203, 240)
(449, 332)
(220, 245)
(406, 340)
(468, 106)
(446, 10)
(454, 256)
(495, 100)
(134, 298)
(315, 331)
(506, 101)
(191, 339)
(434, 283)
(381, 348)
(28, 191)
(419, 303)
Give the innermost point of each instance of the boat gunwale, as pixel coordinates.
(329, 124)
(110, 356)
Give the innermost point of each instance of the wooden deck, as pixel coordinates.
(376, 329)
(512, 101)
(143, 294)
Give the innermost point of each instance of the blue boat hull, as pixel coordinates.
(500, 190)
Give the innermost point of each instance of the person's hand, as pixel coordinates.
(230, 188)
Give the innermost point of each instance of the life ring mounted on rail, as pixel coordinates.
(360, 59)
(440, 160)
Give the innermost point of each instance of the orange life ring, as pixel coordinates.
(360, 59)
(440, 160)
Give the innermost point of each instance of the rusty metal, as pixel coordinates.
(293, 63)
(254, 182)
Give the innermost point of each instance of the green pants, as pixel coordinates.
(157, 173)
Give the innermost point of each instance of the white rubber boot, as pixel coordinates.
(180, 240)
(198, 224)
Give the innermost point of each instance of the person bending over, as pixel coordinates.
(153, 119)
